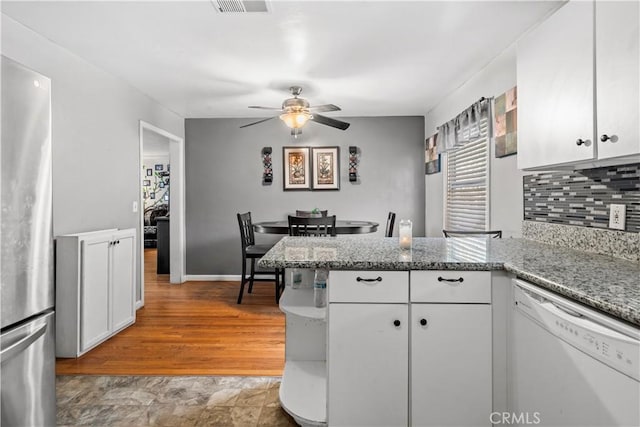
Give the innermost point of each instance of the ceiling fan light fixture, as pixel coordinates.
(295, 119)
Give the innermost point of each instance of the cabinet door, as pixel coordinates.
(122, 280)
(94, 307)
(555, 89)
(451, 365)
(368, 365)
(617, 74)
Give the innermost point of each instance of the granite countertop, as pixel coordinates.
(609, 284)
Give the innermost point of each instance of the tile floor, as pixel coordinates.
(169, 401)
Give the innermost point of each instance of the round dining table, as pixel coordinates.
(343, 226)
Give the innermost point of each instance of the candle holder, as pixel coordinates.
(405, 230)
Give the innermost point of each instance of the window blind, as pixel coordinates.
(467, 192)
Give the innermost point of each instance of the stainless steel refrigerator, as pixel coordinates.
(27, 294)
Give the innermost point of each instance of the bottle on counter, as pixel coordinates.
(296, 278)
(320, 287)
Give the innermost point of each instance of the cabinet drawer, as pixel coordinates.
(369, 286)
(451, 286)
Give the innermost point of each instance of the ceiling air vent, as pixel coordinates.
(240, 6)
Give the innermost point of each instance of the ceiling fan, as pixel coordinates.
(295, 112)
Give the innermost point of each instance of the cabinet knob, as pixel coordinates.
(423, 322)
(396, 323)
(604, 137)
(580, 141)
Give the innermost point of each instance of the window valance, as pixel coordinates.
(464, 128)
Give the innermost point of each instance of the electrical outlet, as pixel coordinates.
(617, 216)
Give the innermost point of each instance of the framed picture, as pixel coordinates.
(152, 195)
(161, 184)
(296, 174)
(168, 167)
(159, 167)
(506, 123)
(326, 168)
(149, 172)
(431, 155)
(146, 183)
(166, 197)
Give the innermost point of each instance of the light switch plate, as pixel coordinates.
(617, 216)
(134, 207)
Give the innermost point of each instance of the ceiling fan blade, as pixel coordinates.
(324, 120)
(265, 108)
(258, 122)
(324, 108)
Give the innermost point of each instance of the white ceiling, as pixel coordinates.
(372, 58)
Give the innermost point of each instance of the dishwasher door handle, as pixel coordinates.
(566, 310)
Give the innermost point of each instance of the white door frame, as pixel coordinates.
(176, 206)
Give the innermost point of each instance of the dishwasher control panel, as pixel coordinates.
(601, 337)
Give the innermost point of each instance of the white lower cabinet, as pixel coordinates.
(426, 361)
(95, 288)
(451, 373)
(368, 364)
(122, 280)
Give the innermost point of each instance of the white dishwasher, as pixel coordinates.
(570, 365)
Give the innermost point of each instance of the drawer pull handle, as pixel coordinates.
(377, 279)
(396, 323)
(442, 279)
(423, 322)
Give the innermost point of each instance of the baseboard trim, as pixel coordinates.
(220, 277)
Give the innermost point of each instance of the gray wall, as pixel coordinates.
(224, 175)
(95, 140)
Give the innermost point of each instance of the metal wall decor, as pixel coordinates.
(353, 163)
(267, 174)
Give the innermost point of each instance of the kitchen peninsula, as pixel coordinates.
(410, 337)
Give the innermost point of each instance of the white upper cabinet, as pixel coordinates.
(555, 89)
(618, 77)
(562, 84)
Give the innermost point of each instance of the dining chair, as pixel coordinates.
(391, 219)
(251, 252)
(496, 234)
(316, 227)
(309, 213)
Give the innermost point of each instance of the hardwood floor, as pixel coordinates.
(195, 328)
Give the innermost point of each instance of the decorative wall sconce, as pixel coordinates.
(267, 174)
(353, 163)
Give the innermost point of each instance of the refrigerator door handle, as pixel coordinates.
(20, 345)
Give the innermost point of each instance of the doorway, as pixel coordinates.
(161, 183)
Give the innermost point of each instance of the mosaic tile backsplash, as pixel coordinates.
(583, 197)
